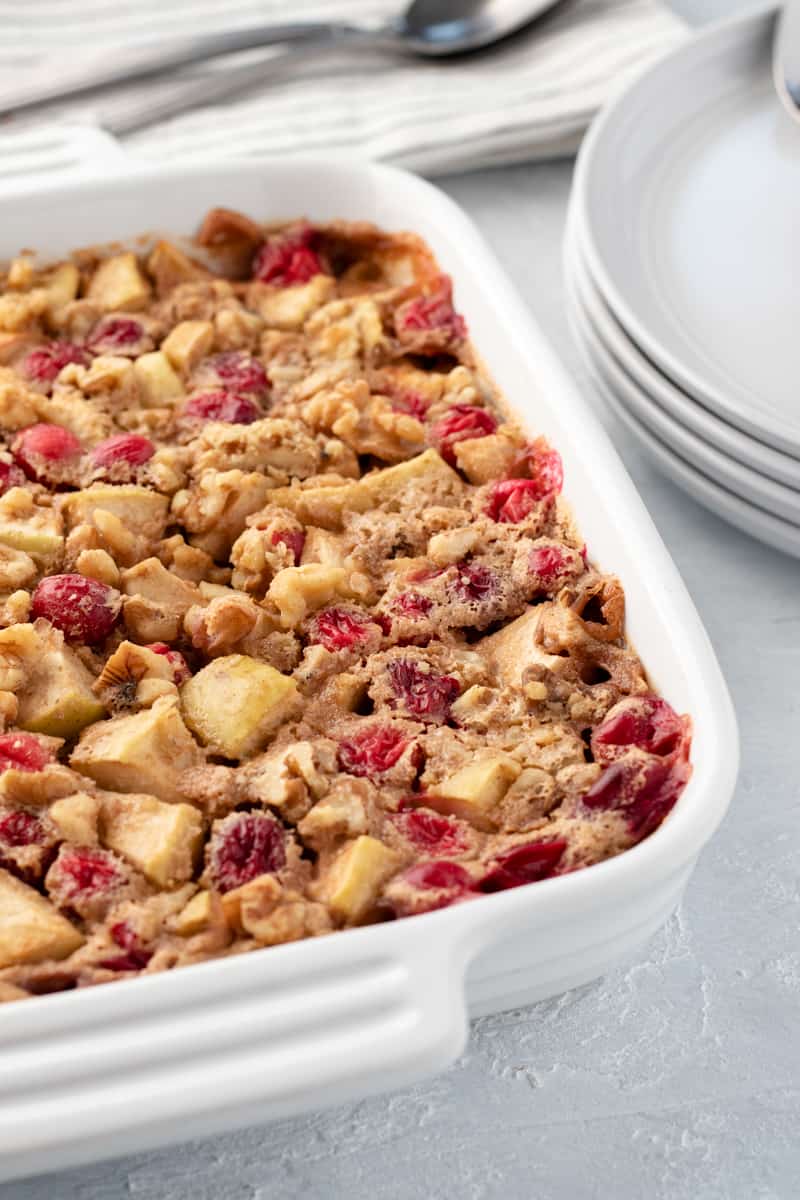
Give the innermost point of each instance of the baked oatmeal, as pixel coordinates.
(296, 630)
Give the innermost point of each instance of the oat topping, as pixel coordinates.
(297, 631)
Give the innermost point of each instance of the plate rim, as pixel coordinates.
(768, 429)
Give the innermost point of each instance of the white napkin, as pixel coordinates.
(530, 97)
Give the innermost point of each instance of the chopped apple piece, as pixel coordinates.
(161, 840)
(356, 877)
(169, 266)
(475, 790)
(62, 286)
(153, 581)
(188, 343)
(138, 508)
(35, 530)
(118, 284)
(388, 483)
(145, 752)
(56, 695)
(326, 506)
(322, 546)
(296, 591)
(76, 817)
(234, 704)
(204, 909)
(158, 383)
(514, 647)
(289, 308)
(31, 929)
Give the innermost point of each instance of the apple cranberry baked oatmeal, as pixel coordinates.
(296, 630)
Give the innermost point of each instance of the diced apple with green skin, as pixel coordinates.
(139, 509)
(56, 696)
(31, 929)
(161, 840)
(145, 752)
(28, 527)
(473, 792)
(235, 703)
(158, 382)
(119, 285)
(356, 876)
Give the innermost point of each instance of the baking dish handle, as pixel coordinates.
(112, 1070)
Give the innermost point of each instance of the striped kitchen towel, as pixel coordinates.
(530, 97)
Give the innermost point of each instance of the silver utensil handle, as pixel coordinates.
(123, 66)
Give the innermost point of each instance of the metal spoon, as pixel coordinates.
(786, 57)
(431, 28)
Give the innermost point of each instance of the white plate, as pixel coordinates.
(732, 508)
(687, 196)
(690, 414)
(757, 489)
(240, 1040)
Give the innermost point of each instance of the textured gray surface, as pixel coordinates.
(678, 1076)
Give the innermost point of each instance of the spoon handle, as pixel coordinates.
(123, 66)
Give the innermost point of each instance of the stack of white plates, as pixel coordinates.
(683, 274)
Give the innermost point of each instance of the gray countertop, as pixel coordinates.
(677, 1077)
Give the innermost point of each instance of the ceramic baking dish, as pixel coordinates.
(239, 1041)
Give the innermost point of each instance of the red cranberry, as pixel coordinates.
(43, 364)
(339, 629)
(426, 696)
(243, 846)
(19, 828)
(288, 258)
(644, 721)
(433, 312)
(10, 476)
(135, 958)
(84, 871)
(413, 604)
(27, 843)
(460, 423)
(133, 449)
(644, 792)
(23, 752)
(118, 335)
(42, 449)
(372, 751)
(175, 659)
(83, 609)
(438, 875)
(431, 832)
(411, 403)
(523, 864)
(293, 539)
(474, 582)
(549, 563)
(222, 406)
(235, 371)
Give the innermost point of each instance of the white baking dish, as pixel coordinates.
(239, 1041)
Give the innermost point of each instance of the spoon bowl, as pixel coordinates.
(438, 28)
